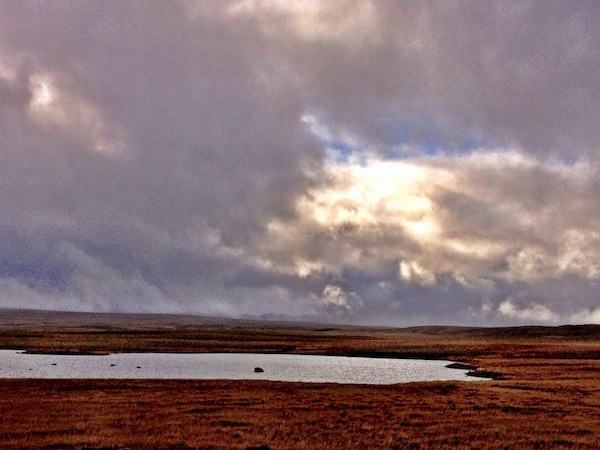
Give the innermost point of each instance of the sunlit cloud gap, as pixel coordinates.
(359, 161)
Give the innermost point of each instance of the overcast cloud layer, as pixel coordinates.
(364, 161)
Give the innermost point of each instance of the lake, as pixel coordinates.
(232, 366)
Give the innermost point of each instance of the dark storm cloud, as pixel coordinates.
(205, 148)
(168, 156)
(497, 71)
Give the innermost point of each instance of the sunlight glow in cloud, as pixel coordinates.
(429, 216)
(361, 161)
(313, 20)
(50, 107)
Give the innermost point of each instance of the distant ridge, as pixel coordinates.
(24, 317)
(566, 331)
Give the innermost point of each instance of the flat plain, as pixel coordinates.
(544, 390)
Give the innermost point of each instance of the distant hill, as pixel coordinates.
(23, 318)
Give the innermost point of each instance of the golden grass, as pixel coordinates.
(226, 414)
(548, 395)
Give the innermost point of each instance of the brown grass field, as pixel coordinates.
(546, 393)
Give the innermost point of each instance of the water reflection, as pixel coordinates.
(235, 366)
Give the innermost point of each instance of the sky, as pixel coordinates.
(356, 161)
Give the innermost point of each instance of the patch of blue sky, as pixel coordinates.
(401, 139)
(407, 137)
(339, 145)
(431, 145)
(341, 151)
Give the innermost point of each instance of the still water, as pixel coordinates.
(232, 366)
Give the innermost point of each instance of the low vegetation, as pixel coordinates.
(546, 394)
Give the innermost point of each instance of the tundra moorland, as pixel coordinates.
(543, 389)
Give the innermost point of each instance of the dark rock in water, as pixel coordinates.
(258, 370)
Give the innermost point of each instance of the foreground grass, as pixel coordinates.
(225, 414)
(547, 396)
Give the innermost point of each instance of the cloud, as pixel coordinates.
(386, 162)
(450, 72)
(585, 316)
(490, 223)
(337, 302)
(413, 272)
(499, 213)
(313, 20)
(533, 313)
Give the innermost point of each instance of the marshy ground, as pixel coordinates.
(546, 394)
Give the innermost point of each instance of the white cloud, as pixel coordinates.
(413, 272)
(585, 316)
(535, 312)
(314, 20)
(337, 302)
